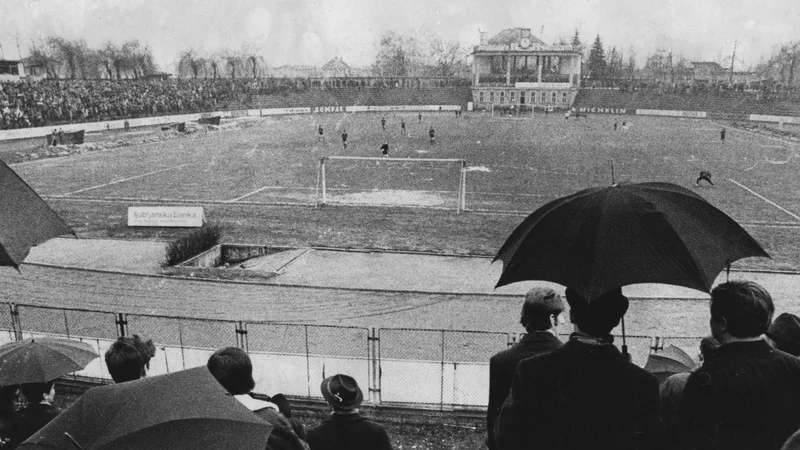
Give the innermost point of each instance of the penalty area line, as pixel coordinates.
(122, 180)
(764, 198)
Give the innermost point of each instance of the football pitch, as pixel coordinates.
(512, 166)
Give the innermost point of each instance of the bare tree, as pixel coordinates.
(446, 58)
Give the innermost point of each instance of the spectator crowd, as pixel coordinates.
(543, 393)
(585, 393)
(41, 103)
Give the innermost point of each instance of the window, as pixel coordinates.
(564, 97)
(522, 97)
(544, 97)
(502, 96)
(554, 97)
(511, 97)
(480, 97)
(491, 97)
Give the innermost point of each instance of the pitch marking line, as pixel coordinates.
(123, 180)
(764, 198)
(251, 193)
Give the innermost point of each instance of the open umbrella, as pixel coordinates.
(669, 361)
(40, 360)
(601, 239)
(25, 219)
(182, 410)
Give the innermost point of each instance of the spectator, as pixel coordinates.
(784, 333)
(346, 428)
(672, 388)
(232, 367)
(585, 394)
(39, 412)
(748, 396)
(540, 312)
(8, 400)
(128, 358)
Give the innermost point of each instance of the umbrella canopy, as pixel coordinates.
(182, 410)
(25, 219)
(601, 239)
(670, 360)
(40, 360)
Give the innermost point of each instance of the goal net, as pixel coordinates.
(512, 111)
(411, 182)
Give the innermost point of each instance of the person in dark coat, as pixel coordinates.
(346, 428)
(748, 396)
(540, 312)
(232, 368)
(784, 333)
(39, 412)
(585, 394)
(672, 388)
(8, 400)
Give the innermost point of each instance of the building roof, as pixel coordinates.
(336, 65)
(512, 36)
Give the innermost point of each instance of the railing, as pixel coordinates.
(441, 369)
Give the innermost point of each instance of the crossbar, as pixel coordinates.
(377, 158)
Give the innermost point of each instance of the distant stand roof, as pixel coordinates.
(512, 36)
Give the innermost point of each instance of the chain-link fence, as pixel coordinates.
(441, 368)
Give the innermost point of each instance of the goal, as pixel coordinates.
(512, 111)
(411, 182)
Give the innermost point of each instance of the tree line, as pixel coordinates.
(244, 63)
(59, 57)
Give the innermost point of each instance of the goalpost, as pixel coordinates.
(393, 182)
(519, 112)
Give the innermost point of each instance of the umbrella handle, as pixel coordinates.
(74, 442)
(624, 344)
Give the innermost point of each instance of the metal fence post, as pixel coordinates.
(66, 323)
(122, 325)
(441, 381)
(180, 340)
(373, 345)
(241, 336)
(16, 324)
(308, 363)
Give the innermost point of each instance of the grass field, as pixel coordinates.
(514, 166)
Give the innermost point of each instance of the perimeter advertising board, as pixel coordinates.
(165, 216)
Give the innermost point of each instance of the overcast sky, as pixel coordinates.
(314, 31)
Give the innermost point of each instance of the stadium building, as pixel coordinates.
(515, 68)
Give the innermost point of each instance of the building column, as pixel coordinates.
(508, 70)
(539, 68)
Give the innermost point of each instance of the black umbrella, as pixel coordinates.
(601, 239)
(25, 219)
(39, 360)
(183, 410)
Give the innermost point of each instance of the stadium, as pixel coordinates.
(373, 264)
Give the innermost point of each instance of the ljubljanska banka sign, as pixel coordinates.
(165, 216)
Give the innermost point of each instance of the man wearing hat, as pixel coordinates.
(585, 394)
(346, 428)
(748, 396)
(785, 333)
(540, 312)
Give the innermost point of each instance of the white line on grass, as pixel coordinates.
(123, 180)
(764, 198)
